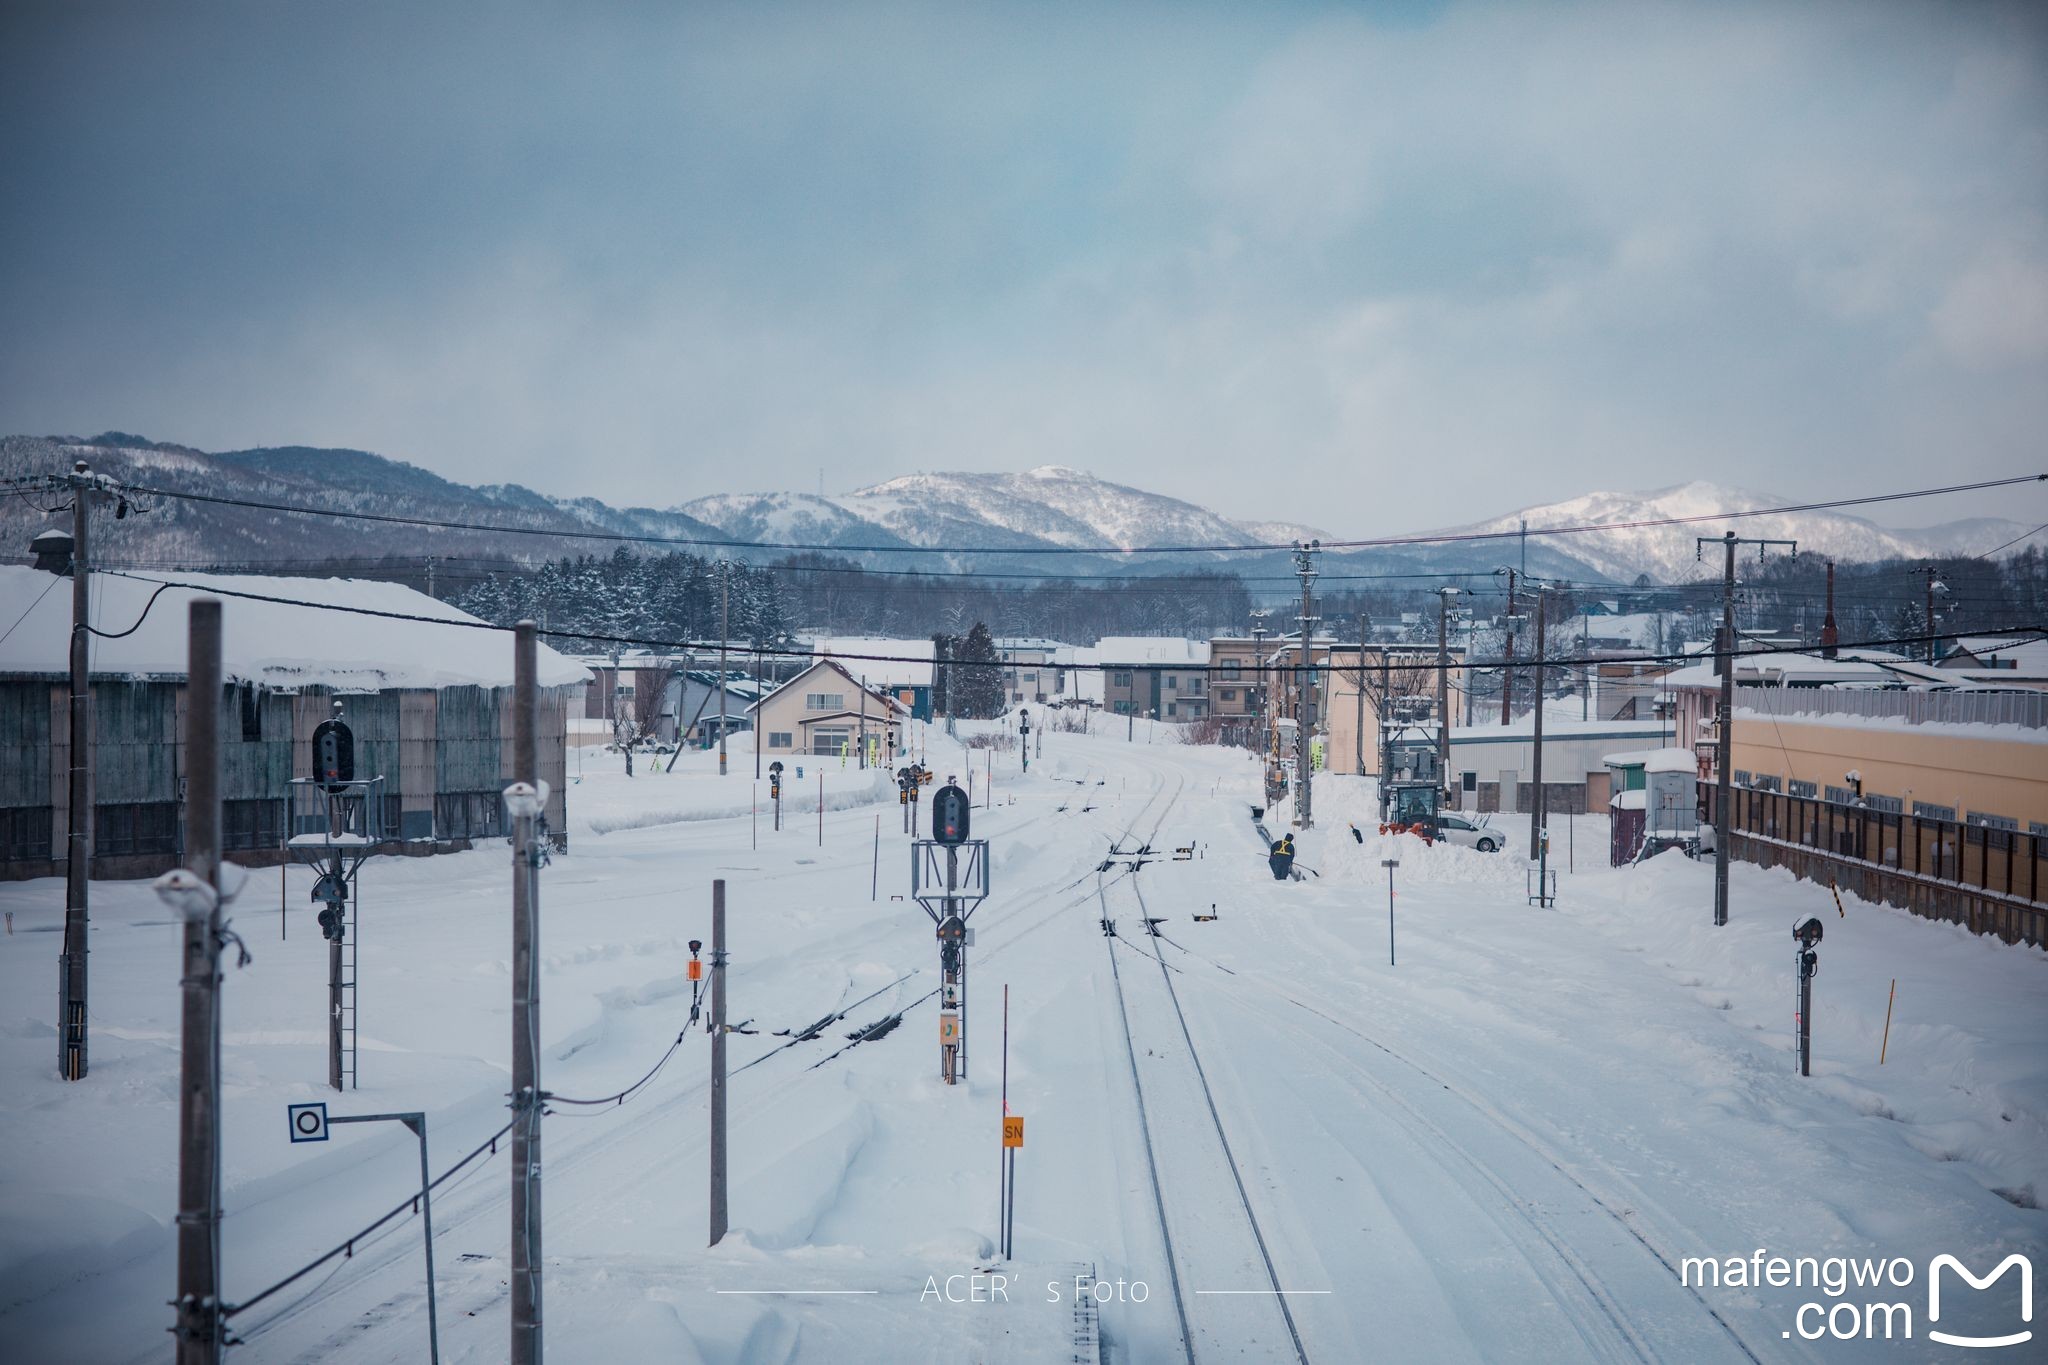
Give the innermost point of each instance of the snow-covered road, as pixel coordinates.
(1502, 1148)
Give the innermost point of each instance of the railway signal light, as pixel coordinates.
(334, 752)
(950, 812)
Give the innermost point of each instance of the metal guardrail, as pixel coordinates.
(1915, 707)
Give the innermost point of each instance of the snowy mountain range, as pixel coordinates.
(1669, 553)
(954, 516)
(1049, 505)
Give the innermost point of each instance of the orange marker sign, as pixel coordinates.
(1013, 1130)
(696, 970)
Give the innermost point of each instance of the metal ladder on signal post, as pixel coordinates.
(353, 929)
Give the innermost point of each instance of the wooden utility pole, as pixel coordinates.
(524, 801)
(71, 980)
(718, 1210)
(198, 1331)
(1724, 724)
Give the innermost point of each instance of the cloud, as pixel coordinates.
(1996, 311)
(1246, 255)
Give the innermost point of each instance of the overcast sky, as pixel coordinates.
(1373, 267)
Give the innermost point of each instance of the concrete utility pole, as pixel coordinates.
(523, 799)
(1265, 744)
(1305, 568)
(718, 1210)
(71, 999)
(199, 1328)
(1507, 672)
(724, 632)
(1443, 692)
(1724, 724)
(756, 722)
(1361, 694)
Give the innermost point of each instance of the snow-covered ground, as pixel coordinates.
(1502, 1147)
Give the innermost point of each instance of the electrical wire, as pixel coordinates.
(31, 609)
(623, 1095)
(1432, 538)
(124, 634)
(698, 646)
(347, 1245)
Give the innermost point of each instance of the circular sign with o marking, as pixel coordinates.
(308, 1122)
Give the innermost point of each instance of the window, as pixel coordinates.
(252, 714)
(1799, 788)
(1172, 682)
(779, 739)
(1228, 694)
(1469, 781)
(1927, 810)
(1120, 678)
(1230, 670)
(824, 701)
(1170, 709)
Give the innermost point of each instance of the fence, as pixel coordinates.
(1987, 879)
(2015, 707)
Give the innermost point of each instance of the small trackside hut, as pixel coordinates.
(428, 701)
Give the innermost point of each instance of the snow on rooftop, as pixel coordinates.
(1671, 761)
(878, 659)
(1123, 650)
(274, 644)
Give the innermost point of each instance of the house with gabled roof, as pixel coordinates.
(824, 712)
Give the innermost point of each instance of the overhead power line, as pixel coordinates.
(779, 651)
(1376, 542)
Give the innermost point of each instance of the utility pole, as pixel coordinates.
(1361, 694)
(1507, 672)
(1934, 585)
(1265, 743)
(430, 577)
(1539, 808)
(199, 1328)
(757, 701)
(863, 755)
(724, 632)
(71, 999)
(1830, 637)
(1724, 724)
(718, 1209)
(1443, 692)
(525, 800)
(1386, 729)
(1305, 568)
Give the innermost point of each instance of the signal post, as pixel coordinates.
(950, 886)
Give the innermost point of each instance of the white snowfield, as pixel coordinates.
(1504, 1147)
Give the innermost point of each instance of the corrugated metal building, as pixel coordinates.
(429, 703)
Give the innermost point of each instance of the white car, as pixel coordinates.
(1479, 834)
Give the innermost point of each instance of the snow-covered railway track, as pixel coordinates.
(1229, 1299)
(1621, 1296)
